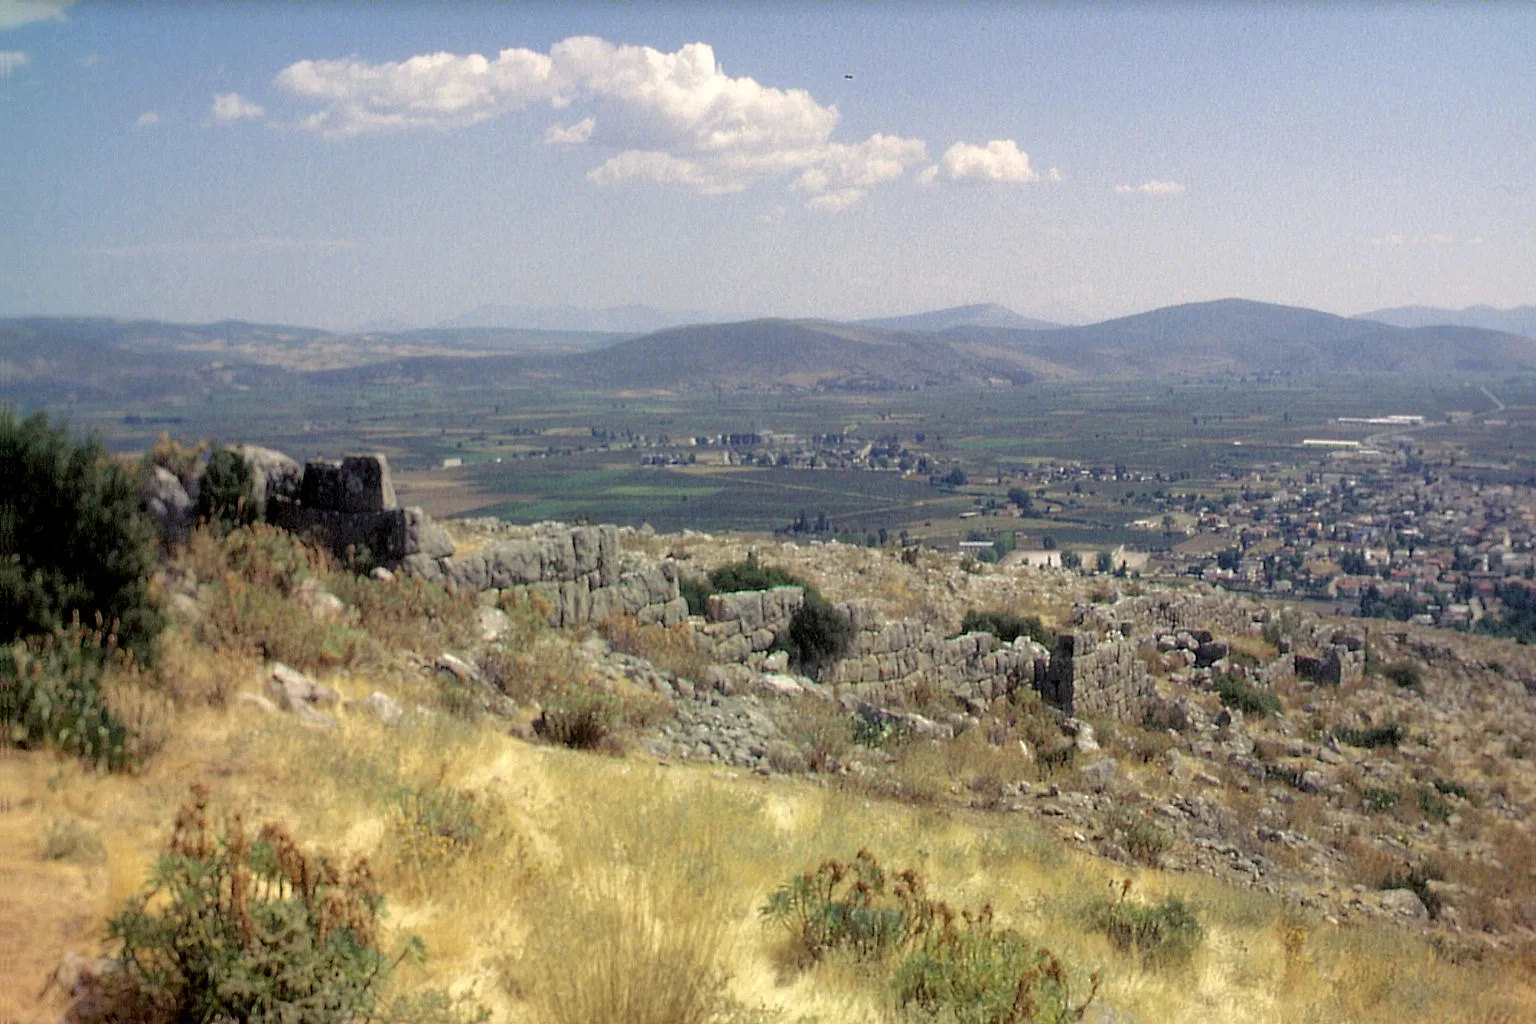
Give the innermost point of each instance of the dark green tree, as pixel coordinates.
(73, 541)
(227, 497)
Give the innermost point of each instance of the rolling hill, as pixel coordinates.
(52, 356)
(985, 314)
(1242, 337)
(1521, 320)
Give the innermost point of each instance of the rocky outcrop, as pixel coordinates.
(168, 504)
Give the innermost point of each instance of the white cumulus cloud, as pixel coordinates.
(669, 118)
(563, 135)
(1000, 161)
(12, 61)
(15, 13)
(148, 119)
(229, 107)
(1151, 188)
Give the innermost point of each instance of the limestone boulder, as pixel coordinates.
(168, 504)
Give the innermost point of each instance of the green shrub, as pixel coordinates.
(696, 592)
(1008, 627)
(1433, 805)
(1142, 837)
(1379, 736)
(226, 497)
(955, 967)
(1162, 934)
(1375, 799)
(252, 931)
(1234, 693)
(977, 973)
(1417, 881)
(750, 575)
(1404, 674)
(850, 906)
(818, 635)
(875, 730)
(53, 692)
(74, 544)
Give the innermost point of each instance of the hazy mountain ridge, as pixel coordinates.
(984, 314)
(628, 319)
(1520, 320)
(1228, 336)
(1240, 336)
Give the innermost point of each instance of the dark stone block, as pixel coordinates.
(360, 483)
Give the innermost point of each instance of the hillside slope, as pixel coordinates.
(1238, 336)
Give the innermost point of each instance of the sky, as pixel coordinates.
(337, 164)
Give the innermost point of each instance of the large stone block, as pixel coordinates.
(359, 483)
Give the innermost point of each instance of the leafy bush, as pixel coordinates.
(977, 973)
(1234, 693)
(870, 728)
(817, 636)
(851, 906)
(74, 544)
(226, 497)
(54, 690)
(1163, 934)
(1376, 799)
(1433, 805)
(1370, 738)
(955, 967)
(1404, 674)
(1008, 627)
(254, 931)
(750, 575)
(1142, 837)
(1417, 881)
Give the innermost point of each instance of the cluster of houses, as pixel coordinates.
(1413, 544)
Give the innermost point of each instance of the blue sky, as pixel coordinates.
(333, 164)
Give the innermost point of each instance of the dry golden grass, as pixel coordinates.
(619, 889)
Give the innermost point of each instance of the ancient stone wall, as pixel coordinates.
(1089, 676)
(904, 651)
(576, 571)
(741, 627)
(1171, 611)
(348, 507)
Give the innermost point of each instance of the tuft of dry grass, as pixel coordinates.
(672, 649)
(618, 947)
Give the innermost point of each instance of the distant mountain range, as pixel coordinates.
(43, 358)
(612, 320)
(1521, 320)
(986, 314)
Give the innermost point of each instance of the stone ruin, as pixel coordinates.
(582, 576)
(1090, 676)
(577, 572)
(349, 507)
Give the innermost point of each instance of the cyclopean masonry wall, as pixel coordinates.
(577, 571)
(1090, 676)
(581, 574)
(742, 626)
(349, 507)
(904, 651)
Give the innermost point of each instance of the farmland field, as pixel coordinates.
(534, 453)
